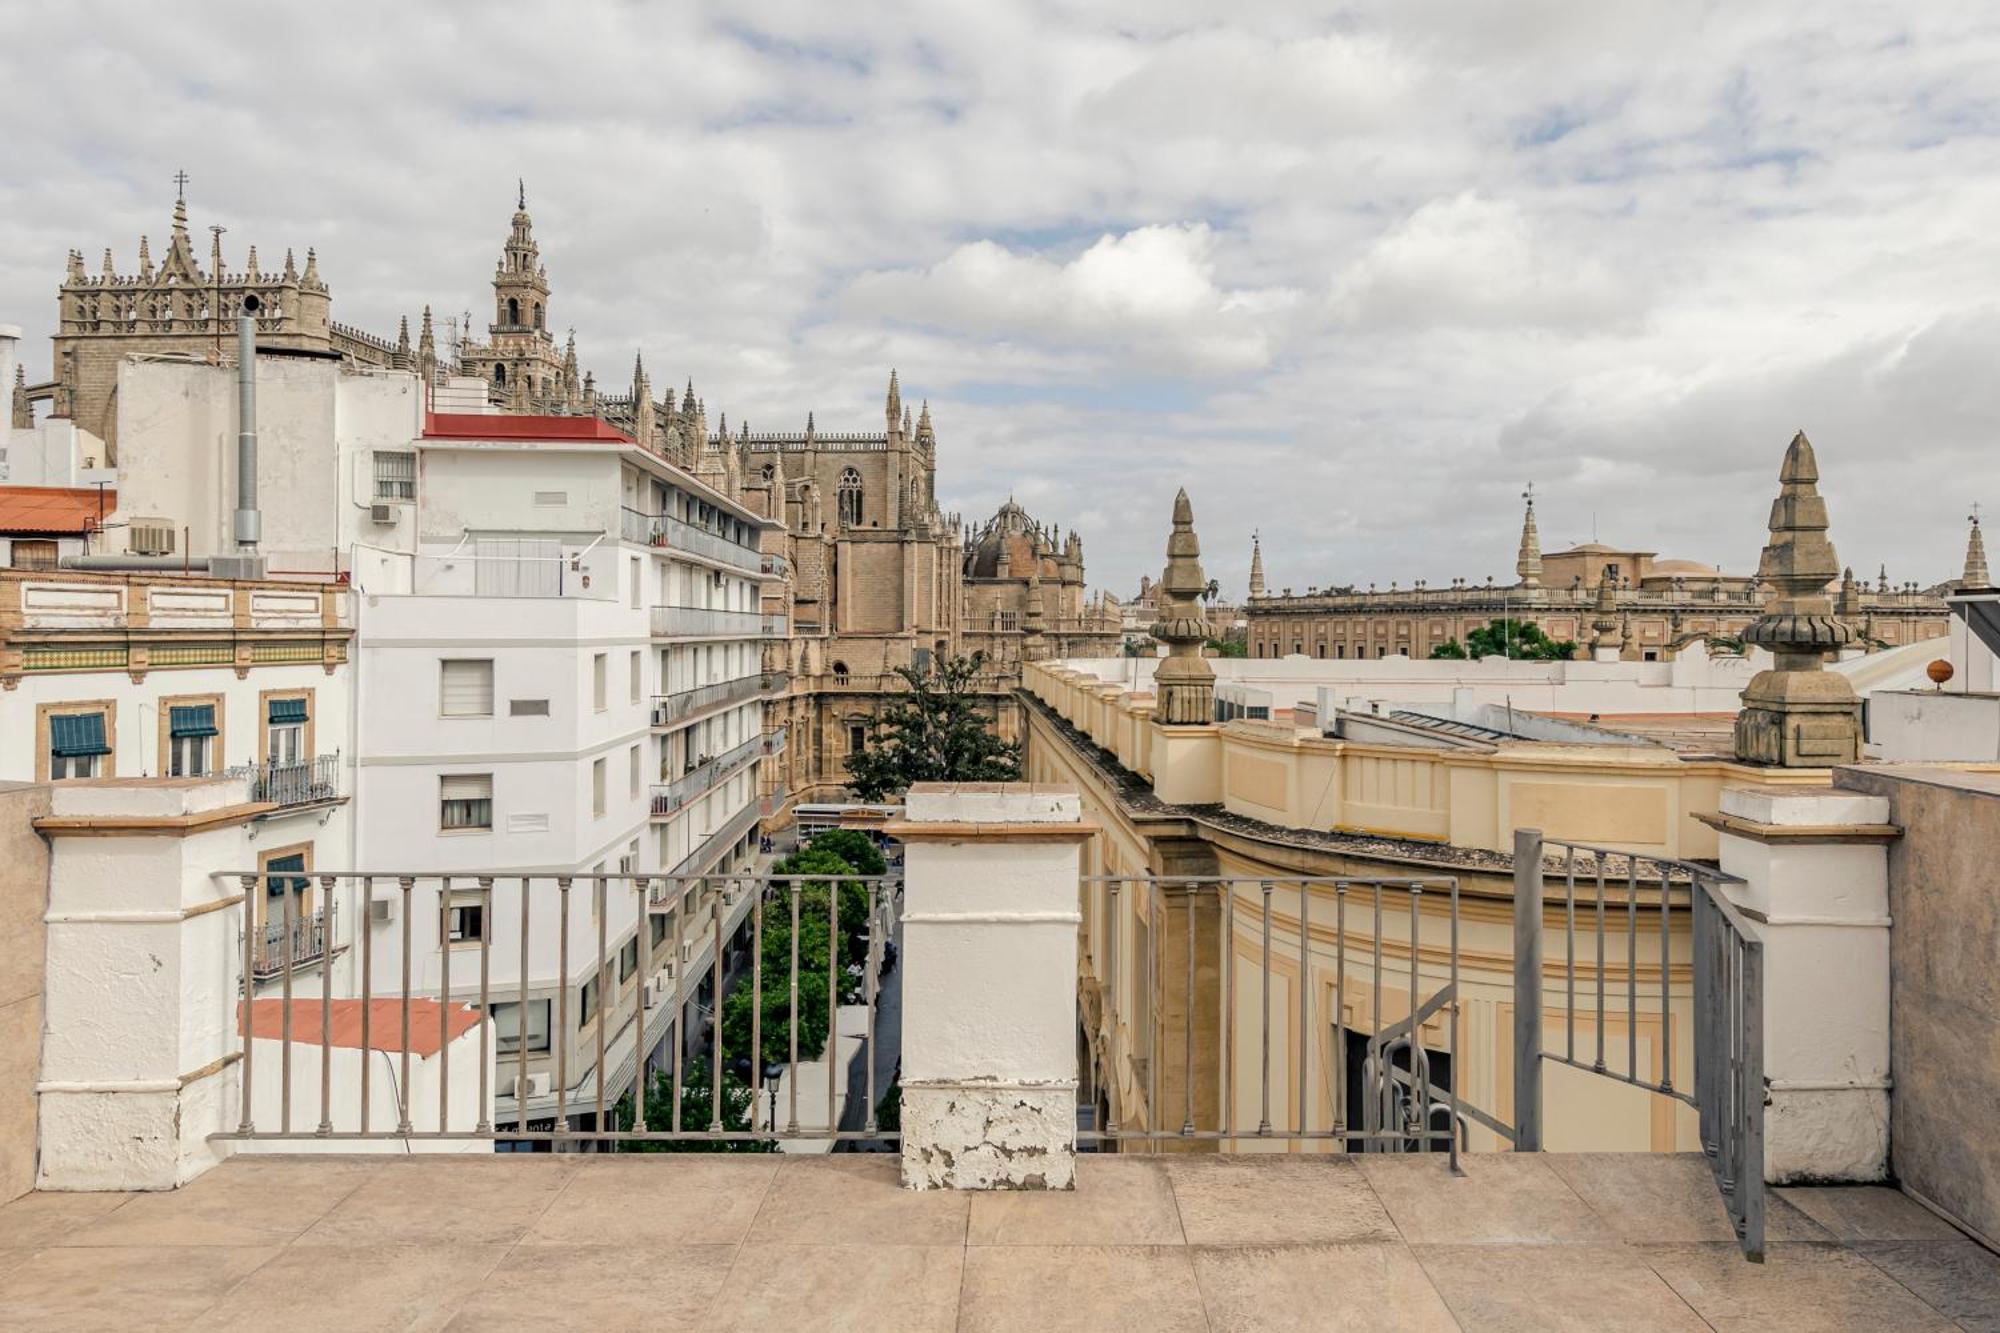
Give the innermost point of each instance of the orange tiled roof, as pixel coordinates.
(385, 1023)
(60, 509)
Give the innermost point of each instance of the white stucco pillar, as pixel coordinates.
(144, 957)
(1815, 874)
(989, 988)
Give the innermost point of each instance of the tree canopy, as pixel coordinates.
(1519, 639)
(936, 731)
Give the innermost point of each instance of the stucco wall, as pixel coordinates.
(24, 889)
(1944, 1005)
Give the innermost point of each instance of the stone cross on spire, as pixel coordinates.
(1976, 575)
(1185, 681)
(1797, 714)
(1528, 564)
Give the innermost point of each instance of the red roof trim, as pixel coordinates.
(477, 426)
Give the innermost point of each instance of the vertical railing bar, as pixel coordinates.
(1228, 888)
(1264, 1102)
(560, 1038)
(521, 1023)
(643, 946)
(486, 1003)
(1599, 1065)
(833, 887)
(1419, 1115)
(1666, 1009)
(607, 991)
(444, 1004)
(757, 1005)
(680, 997)
(365, 923)
(1117, 1006)
(1457, 1070)
(1753, 1100)
(327, 886)
(246, 1009)
(1305, 1002)
(715, 1022)
(1569, 952)
(792, 1020)
(1371, 1097)
(1156, 992)
(285, 1053)
(405, 883)
(1632, 968)
(1187, 1022)
(1339, 1034)
(870, 968)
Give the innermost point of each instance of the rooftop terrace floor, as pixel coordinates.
(717, 1242)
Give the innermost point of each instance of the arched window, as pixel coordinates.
(513, 311)
(769, 472)
(499, 373)
(840, 673)
(538, 314)
(850, 498)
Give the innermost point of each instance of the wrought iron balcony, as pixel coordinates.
(307, 782)
(282, 946)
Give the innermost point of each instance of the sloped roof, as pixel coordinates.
(54, 509)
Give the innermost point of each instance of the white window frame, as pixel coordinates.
(463, 697)
(467, 782)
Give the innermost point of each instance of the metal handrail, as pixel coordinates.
(307, 782)
(677, 534)
(681, 705)
(706, 622)
(671, 796)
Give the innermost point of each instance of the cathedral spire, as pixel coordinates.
(426, 346)
(1528, 563)
(1256, 567)
(1976, 575)
(291, 268)
(145, 260)
(894, 407)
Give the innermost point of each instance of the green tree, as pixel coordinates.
(1519, 639)
(854, 847)
(1228, 648)
(697, 1111)
(1450, 648)
(936, 731)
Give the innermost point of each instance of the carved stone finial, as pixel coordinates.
(1604, 643)
(1976, 575)
(1797, 714)
(1528, 563)
(1185, 681)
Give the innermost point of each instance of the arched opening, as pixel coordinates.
(840, 673)
(538, 314)
(769, 472)
(850, 498)
(499, 373)
(513, 311)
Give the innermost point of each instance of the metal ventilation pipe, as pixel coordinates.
(249, 522)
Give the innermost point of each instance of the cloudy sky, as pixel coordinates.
(1352, 277)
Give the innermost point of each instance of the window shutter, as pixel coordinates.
(287, 710)
(191, 720)
(77, 735)
(467, 689)
(466, 787)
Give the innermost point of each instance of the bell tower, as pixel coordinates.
(520, 284)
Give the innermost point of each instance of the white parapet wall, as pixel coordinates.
(989, 987)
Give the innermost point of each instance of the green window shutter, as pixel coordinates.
(191, 720)
(77, 735)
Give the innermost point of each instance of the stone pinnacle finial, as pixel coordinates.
(521, 196)
(1185, 681)
(1798, 715)
(1604, 643)
(1528, 563)
(1256, 567)
(1976, 575)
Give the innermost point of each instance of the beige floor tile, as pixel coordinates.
(1512, 1197)
(1959, 1278)
(1800, 1288)
(34, 1220)
(855, 1200)
(657, 1199)
(839, 1287)
(456, 1200)
(1867, 1212)
(339, 1287)
(1667, 1197)
(151, 1286)
(1255, 1199)
(1117, 1201)
(237, 1203)
(1304, 1289)
(1092, 1289)
(1560, 1288)
(605, 1287)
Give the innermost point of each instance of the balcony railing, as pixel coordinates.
(706, 622)
(681, 705)
(675, 534)
(776, 682)
(308, 782)
(711, 847)
(774, 742)
(671, 796)
(774, 800)
(775, 566)
(282, 946)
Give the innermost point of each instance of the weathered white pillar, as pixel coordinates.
(144, 957)
(1815, 868)
(989, 988)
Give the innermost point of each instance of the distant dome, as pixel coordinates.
(1010, 530)
(1684, 568)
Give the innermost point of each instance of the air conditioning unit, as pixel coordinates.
(656, 994)
(152, 536)
(385, 514)
(381, 911)
(687, 951)
(531, 1085)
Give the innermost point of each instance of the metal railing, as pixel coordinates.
(711, 770)
(776, 682)
(774, 741)
(800, 985)
(681, 705)
(706, 622)
(307, 782)
(710, 848)
(1400, 1104)
(1636, 897)
(292, 942)
(678, 535)
(775, 565)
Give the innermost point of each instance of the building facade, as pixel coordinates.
(1655, 606)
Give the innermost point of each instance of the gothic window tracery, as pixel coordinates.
(850, 498)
